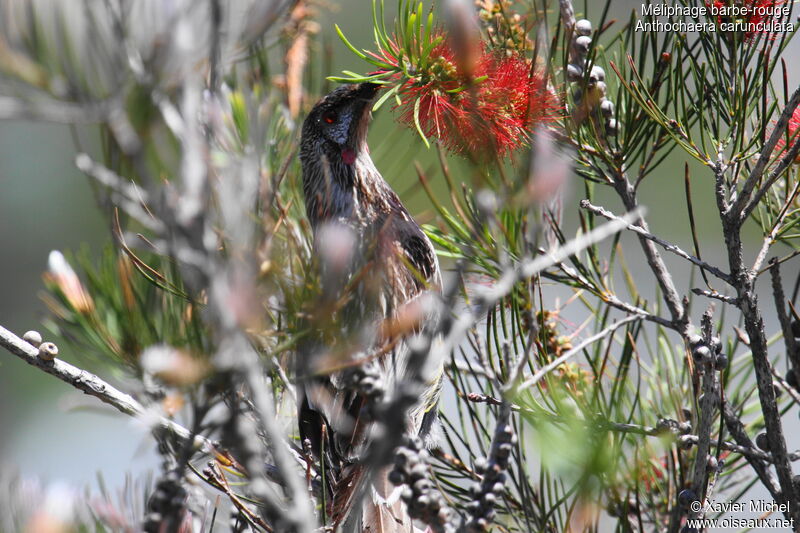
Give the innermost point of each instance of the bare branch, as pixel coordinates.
(124, 193)
(51, 110)
(737, 210)
(541, 373)
(780, 307)
(716, 296)
(94, 386)
(671, 296)
(661, 242)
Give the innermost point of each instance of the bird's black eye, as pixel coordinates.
(329, 116)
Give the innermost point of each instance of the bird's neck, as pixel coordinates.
(338, 191)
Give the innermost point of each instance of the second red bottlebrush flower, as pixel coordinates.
(793, 130)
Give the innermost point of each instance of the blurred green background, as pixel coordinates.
(48, 429)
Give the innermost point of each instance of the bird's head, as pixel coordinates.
(337, 126)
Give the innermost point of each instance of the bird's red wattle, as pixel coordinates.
(348, 156)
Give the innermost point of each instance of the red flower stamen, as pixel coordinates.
(492, 113)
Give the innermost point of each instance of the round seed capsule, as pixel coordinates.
(777, 390)
(582, 44)
(607, 108)
(48, 351)
(574, 72)
(597, 74)
(686, 497)
(695, 341)
(396, 477)
(583, 27)
(702, 354)
(791, 379)
(34, 338)
(716, 344)
(475, 488)
(418, 472)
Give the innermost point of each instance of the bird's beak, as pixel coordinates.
(367, 90)
(365, 94)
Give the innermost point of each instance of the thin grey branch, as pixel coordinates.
(780, 306)
(541, 373)
(716, 296)
(124, 193)
(12, 108)
(671, 296)
(708, 405)
(94, 386)
(524, 270)
(585, 204)
(739, 433)
(769, 238)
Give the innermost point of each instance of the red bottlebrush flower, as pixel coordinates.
(653, 473)
(493, 113)
(793, 129)
(757, 12)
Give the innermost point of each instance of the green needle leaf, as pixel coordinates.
(417, 124)
(391, 92)
(347, 43)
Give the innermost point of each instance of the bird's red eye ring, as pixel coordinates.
(329, 117)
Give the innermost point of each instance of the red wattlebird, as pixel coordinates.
(376, 269)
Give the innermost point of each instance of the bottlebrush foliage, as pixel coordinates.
(483, 100)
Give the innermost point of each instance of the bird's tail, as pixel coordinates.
(366, 502)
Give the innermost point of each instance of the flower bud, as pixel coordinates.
(64, 277)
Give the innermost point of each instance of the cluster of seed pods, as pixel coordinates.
(423, 500)
(487, 492)
(708, 353)
(168, 500)
(593, 96)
